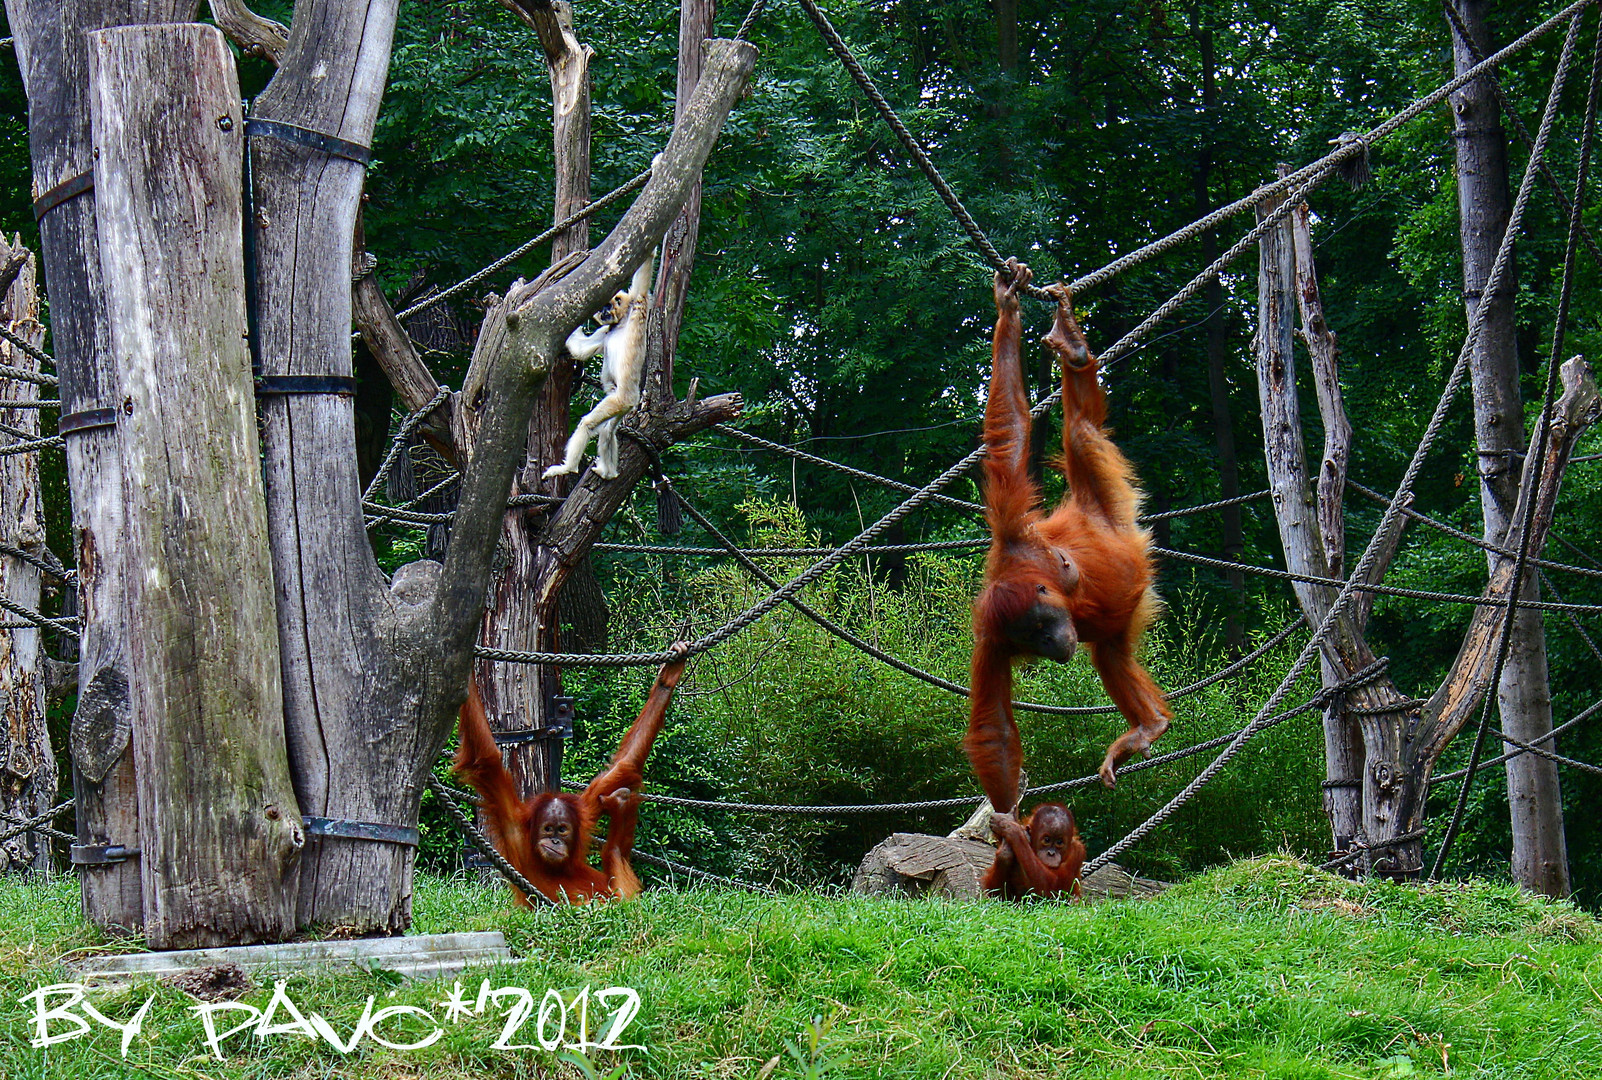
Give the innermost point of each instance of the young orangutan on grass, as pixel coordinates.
(547, 837)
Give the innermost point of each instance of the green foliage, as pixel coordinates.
(835, 293)
(789, 714)
(1264, 968)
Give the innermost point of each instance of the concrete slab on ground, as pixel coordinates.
(426, 956)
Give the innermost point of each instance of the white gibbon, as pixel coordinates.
(622, 337)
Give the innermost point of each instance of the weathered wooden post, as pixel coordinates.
(53, 55)
(27, 765)
(220, 832)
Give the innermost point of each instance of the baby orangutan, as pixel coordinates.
(1040, 857)
(547, 838)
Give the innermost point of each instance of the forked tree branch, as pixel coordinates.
(254, 35)
(537, 325)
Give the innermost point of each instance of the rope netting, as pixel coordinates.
(1285, 194)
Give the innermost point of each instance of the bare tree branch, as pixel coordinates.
(254, 35)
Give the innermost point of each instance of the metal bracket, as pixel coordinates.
(361, 830)
(292, 133)
(560, 711)
(518, 738)
(101, 854)
(561, 714)
(269, 385)
(69, 188)
(87, 420)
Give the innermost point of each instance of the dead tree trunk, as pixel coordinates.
(219, 831)
(53, 54)
(1401, 739)
(28, 779)
(544, 561)
(375, 670)
(1540, 851)
(346, 711)
(1343, 741)
(523, 701)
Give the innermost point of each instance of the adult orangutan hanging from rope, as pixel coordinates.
(1083, 572)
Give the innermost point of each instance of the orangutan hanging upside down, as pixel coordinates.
(1083, 572)
(547, 838)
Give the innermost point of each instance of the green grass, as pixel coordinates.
(1261, 969)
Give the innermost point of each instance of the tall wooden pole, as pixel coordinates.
(28, 778)
(521, 700)
(53, 54)
(1524, 698)
(219, 829)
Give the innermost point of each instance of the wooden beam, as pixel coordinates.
(53, 55)
(28, 778)
(219, 830)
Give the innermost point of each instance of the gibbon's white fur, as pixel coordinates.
(621, 339)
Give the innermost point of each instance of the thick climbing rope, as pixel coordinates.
(403, 437)
(1388, 521)
(43, 622)
(707, 875)
(26, 346)
(1574, 623)
(1560, 326)
(793, 553)
(961, 504)
(1359, 847)
(1470, 538)
(1559, 196)
(744, 33)
(1317, 702)
(523, 249)
(1126, 344)
(813, 459)
(24, 375)
(864, 646)
(1349, 147)
(872, 532)
(37, 829)
(1579, 718)
(1371, 587)
(404, 513)
(31, 446)
(34, 824)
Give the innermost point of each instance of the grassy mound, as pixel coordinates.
(1266, 968)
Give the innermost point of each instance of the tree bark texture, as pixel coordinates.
(1540, 851)
(1343, 742)
(28, 778)
(1297, 511)
(219, 831)
(374, 674)
(678, 246)
(53, 56)
(520, 697)
(348, 715)
(1402, 739)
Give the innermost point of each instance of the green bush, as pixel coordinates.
(787, 713)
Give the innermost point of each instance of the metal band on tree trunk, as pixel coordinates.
(361, 830)
(291, 133)
(69, 188)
